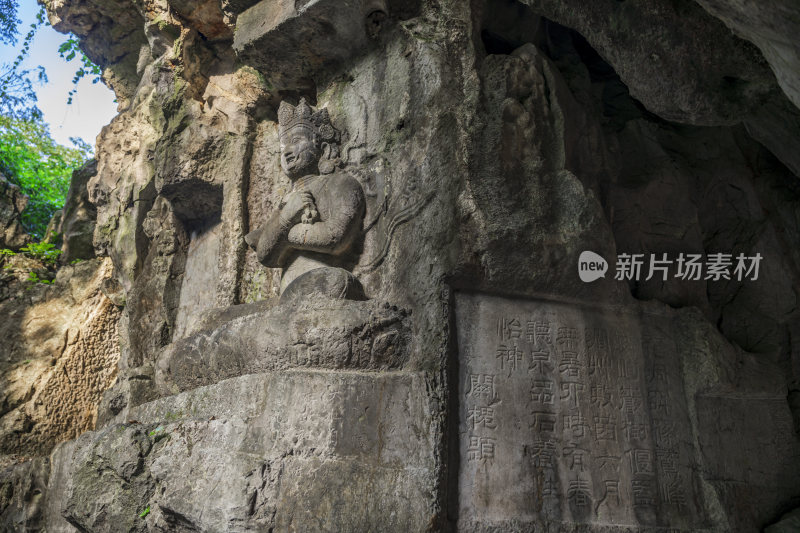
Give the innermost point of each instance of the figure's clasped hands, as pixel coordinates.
(299, 207)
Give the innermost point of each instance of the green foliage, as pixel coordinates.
(43, 251)
(69, 50)
(145, 512)
(159, 434)
(33, 277)
(8, 21)
(170, 416)
(29, 157)
(17, 97)
(41, 167)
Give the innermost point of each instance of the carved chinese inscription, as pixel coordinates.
(571, 415)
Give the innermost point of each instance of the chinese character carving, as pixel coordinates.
(667, 460)
(635, 429)
(601, 396)
(543, 453)
(608, 463)
(542, 392)
(543, 421)
(509, 357)
(642, 493)
(611, 495)
(576, 424)
(481, 416)
(579, 493)
(509, 328)
(540, 362)
(569, 392)
(538, 333)
(631, 398)
(567, 338)
(481, 386)
(642, 461)
(577, 457)
(605, 428)
(569, 365)
(481, 448)
(672, 493)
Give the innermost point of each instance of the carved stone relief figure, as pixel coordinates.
(314, 234)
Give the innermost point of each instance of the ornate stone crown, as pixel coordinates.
(303, 115)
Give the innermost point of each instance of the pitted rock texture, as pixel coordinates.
(293, 41)
(60, 356)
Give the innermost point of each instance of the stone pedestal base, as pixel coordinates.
(301, 450)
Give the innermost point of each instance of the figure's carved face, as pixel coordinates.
(299, 153)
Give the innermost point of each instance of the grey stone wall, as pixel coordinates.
(494, 141)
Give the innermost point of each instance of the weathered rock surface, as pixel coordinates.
(76, 228)
(292, 42)
(657, 48)
(615, 400)
(494, 142)
(12, 203)
(773, 27)
(23, 485)
(788, 523)
(293, 457)
(686, 66)
(334, 334)
(60, 355)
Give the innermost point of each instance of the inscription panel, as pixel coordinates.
(571, 415)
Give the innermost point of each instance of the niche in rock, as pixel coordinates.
(202, 272)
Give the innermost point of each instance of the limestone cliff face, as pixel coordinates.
(481, 386)
(12, 203)
(60, 356)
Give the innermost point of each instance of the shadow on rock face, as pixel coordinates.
(329, 282)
